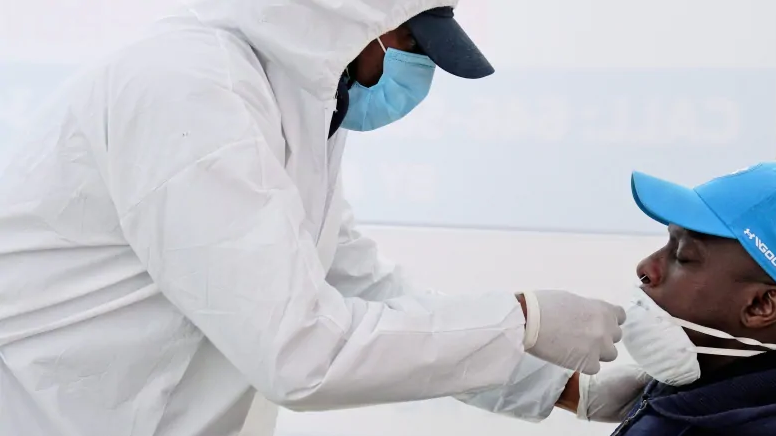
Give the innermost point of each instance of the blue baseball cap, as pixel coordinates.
(741, 206)
(444, 41)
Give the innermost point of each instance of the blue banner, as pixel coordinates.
(553, 149)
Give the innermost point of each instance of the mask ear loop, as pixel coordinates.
(722, 335)
(715, 333)
(351, 79)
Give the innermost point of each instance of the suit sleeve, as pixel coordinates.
(359, 270)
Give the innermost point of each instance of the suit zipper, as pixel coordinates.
(329, 107)
(628, 420)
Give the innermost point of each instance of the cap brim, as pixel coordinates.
(444, 41)
(669, 203)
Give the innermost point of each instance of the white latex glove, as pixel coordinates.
(571, 331)
(609, 395)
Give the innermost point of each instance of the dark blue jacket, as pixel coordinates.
(739, 400)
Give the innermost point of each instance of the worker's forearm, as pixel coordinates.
(569, 399)
(531, 394)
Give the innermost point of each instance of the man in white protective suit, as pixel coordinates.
(173, 239)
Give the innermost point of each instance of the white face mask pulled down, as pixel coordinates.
(658, 343)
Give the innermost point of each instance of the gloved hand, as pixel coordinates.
(571, 331)
(609, 395)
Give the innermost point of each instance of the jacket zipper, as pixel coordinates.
(628, 420)
(330, 106)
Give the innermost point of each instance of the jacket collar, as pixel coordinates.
(742, 393)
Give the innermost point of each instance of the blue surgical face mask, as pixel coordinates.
(405, 82)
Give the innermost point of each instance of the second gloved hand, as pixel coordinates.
(609, 395)
(572, 331)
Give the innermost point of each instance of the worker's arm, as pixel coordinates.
(359, 270)
(534, 389)
(205, 202)
(569, 398)
(537, 385)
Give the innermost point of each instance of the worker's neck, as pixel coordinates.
(343, 101)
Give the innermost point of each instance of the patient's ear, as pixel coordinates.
(761, 311)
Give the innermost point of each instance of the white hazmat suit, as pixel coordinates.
(173, 240)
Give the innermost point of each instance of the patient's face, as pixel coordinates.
(713, 282)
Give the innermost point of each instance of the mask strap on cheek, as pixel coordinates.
(724, 351)
(380, 41)
(722, 335)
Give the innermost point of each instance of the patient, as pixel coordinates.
(715, 271)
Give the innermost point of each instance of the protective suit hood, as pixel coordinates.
(314, 40)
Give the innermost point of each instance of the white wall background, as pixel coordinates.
(585, 92)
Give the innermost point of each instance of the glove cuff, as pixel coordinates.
(532, 320)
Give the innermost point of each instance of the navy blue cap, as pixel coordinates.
(444, 41)
(741, 206)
